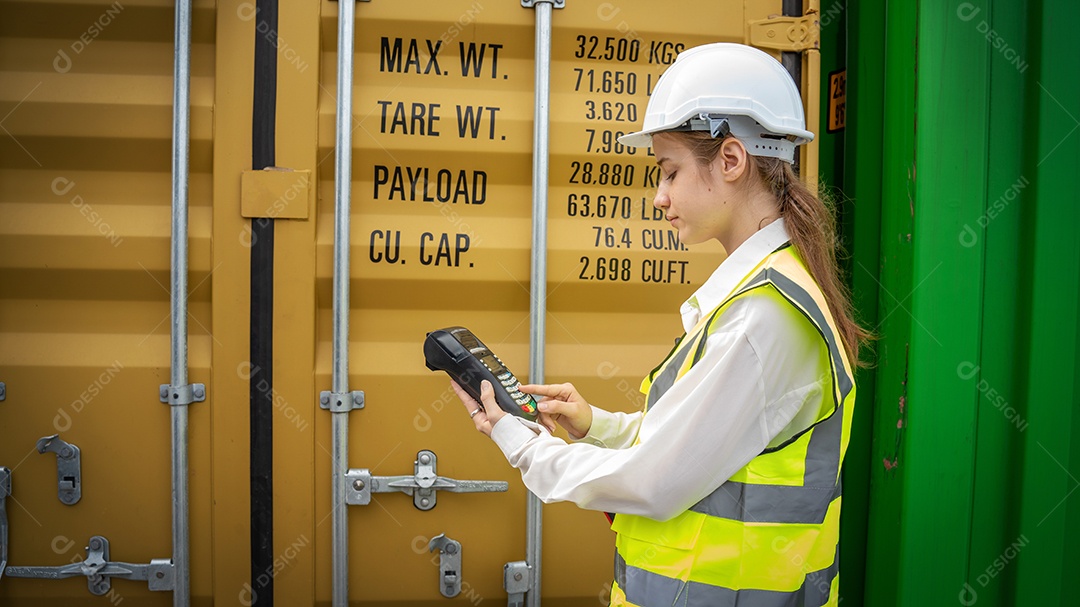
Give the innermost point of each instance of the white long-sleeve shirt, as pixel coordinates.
(761, 378)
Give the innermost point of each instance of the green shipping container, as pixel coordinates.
(954, 174)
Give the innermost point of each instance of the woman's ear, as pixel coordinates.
(731, 160)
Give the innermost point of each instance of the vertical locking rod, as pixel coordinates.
(5, 490)
(538, 275)
(179, 269)
(340, 359)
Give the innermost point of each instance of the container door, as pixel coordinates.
(85, 180)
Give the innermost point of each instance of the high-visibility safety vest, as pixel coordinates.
(767, 537)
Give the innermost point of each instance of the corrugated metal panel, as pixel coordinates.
(86, 99)
(974, 457)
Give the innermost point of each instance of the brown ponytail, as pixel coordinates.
(811, 222)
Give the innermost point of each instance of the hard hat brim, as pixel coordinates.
(640, 139)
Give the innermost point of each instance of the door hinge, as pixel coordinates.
(780, 33)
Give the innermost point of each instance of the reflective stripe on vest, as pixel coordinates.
(798, 296)
(643, 587)
(767, 536)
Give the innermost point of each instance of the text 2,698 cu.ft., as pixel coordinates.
(622, 269)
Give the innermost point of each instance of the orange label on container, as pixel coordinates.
(837, 101)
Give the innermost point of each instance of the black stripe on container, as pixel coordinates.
(792, 61)
(264, 108)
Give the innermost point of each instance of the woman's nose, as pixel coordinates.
(660, 200)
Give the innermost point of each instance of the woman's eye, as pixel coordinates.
(671, 176)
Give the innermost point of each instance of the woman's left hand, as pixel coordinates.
(484, 418)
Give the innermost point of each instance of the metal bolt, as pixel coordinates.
(95, 544)
(450, 549)
(425, 502)
(199, 392)
(164, 391)
(159, 575)
(66, 497)
(176, 396)
(425, 458)
(517, 577)
(358, 485)
(324, 399)
(66, 452)
(357, 399)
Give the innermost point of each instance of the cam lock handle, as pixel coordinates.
(68, 467)
(449, 564)
(422, 484)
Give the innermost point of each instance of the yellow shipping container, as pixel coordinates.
(441, 234)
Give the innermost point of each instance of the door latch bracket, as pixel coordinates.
(99, 570)
(182, 395)
(341, 402)
(517, 580)
(68, 467)
(449, 564)
(780, 33)
(422, 485)
(553, 3)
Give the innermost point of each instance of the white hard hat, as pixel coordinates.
(722, 88)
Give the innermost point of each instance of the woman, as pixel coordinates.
(726, 488)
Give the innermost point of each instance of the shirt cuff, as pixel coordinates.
(604, 424)
(510, 433)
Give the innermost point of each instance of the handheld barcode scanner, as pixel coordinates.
(466, 359)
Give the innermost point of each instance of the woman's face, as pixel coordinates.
(693, 197)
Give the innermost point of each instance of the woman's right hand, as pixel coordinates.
(562, 403)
